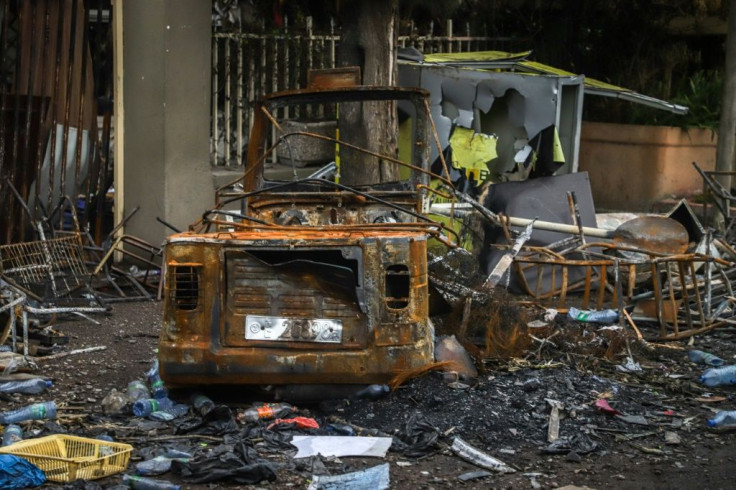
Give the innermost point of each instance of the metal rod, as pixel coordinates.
(215, 123)
(42, 118)
(61, 12)
(16, 224)
(27, 170)
(228, 102)
(82, 93)
(68, 101)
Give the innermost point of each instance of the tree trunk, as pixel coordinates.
(369, 41)
(727, 126)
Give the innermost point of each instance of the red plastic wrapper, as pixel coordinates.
(301, 423)
(604, 407)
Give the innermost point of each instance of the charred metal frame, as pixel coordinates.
(680, 300)
(296, 258)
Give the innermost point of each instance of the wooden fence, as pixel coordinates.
(246, 66)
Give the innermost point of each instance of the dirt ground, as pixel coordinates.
(504, 413)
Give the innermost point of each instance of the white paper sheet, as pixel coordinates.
(341, 446)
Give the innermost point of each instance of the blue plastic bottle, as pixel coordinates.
(27, 386)
(141, 483)
(142, 408)
(157, 385)
(137, 390)
(171, 412)
(724, 418)
(202, 404)
(719, 376)
(12, 434)
(700, 357)
(37, 411)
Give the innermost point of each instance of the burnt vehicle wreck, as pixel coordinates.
(308, 280)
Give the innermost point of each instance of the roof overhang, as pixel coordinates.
(518, 63)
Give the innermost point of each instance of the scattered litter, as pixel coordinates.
(143, 483)
(630, 366)
(553, 429)
(550, 314)
(37, 411)
(375, 478)
(449, 349)
(700, 357)
(297, 422)
(672, 438)
(724, 418)
(16, 472)
(633, 419)
(719, 376)
(602, 405)
(341, 446)
(474, 456)
(474, 475)
(592, 316)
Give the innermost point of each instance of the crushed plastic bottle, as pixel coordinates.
(156, 466)
(267, 411)
(157, 385)
(12, 434)
(137, 390)
(593, 316)
(37, 411)
(142, 408)
(700, 357)
(170, 413)
(202, 404)
(724, 375)
(27, 386)
(143, 483)
(724, 418)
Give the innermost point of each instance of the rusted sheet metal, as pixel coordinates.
(654, 234)
(47, 111)
(362, 282)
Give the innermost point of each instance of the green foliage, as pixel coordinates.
(701, 94)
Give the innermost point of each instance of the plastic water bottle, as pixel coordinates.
(267, 411)
(142, 408)
(142, 483)
(372, 392)
(157, 385)
(12, 434)
(723, 418)
(719, 376)
(202, 404)
(593, 316)
(700, 357)
(170, 413)
(37, 411)
(158, 465)
(28, 386)
(137, 390)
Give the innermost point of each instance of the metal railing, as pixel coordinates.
(246, 66)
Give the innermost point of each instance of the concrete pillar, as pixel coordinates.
(164, 117)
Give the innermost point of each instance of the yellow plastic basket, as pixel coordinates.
(65, 458)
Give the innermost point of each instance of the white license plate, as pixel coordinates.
(258, 327)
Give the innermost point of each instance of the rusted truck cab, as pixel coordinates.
(306, 280)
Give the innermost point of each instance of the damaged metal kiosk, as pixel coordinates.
(309, 280)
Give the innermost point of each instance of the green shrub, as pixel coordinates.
(701, 94)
